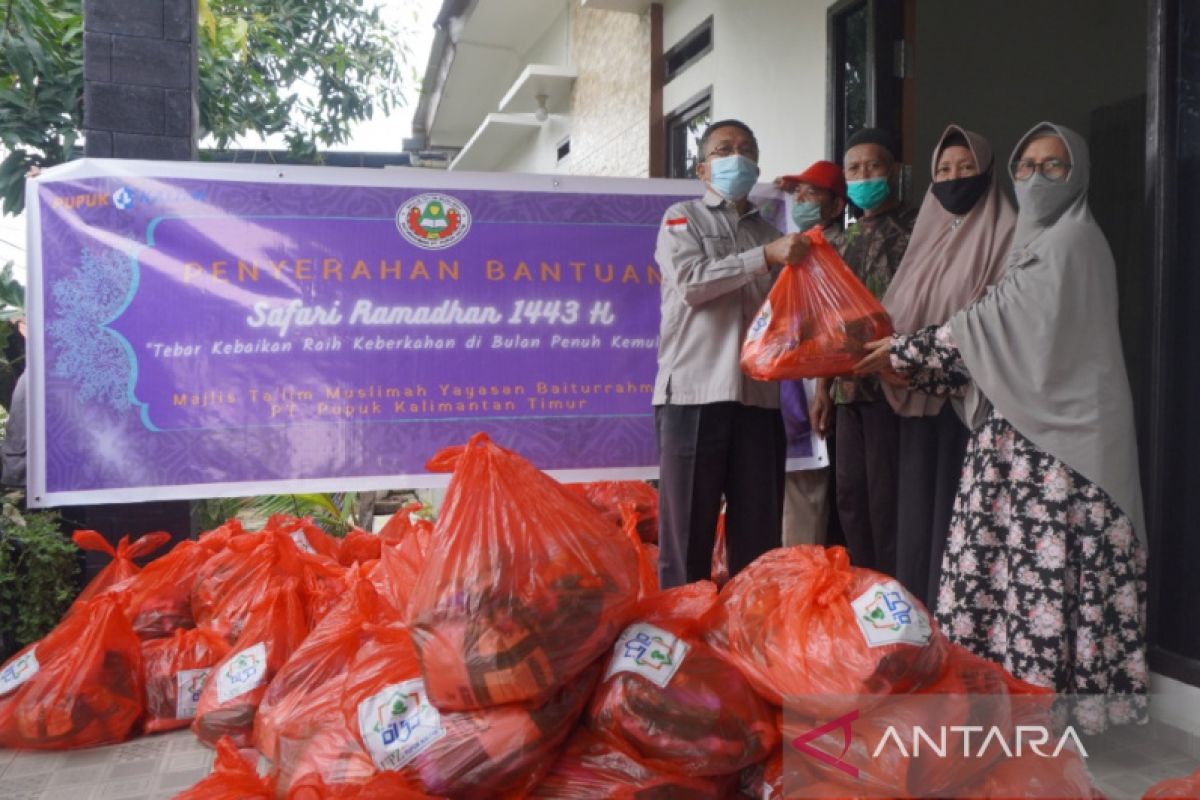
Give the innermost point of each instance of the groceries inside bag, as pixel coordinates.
(816, 322)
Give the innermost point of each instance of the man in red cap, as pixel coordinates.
(818, 198)
(818, 194)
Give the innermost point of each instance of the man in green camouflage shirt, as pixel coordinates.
(866, 428)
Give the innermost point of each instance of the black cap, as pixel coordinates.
(876, 136)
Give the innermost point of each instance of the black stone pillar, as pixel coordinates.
(139, 101)
(139, 79)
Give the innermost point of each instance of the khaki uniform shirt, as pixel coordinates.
(714, 279)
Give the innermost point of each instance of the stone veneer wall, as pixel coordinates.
(610, 104)
(139, 79)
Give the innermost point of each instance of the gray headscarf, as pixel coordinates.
(1043, 347)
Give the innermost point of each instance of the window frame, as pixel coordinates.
(676, 125)
(683, 48)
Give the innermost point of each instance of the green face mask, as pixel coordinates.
(868, 194)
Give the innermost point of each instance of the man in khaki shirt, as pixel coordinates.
(719, 433)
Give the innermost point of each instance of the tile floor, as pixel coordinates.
(1123, 763)
(149, 768)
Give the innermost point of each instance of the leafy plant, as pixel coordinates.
(333, 512)
(38, 571)
(41, 89)
(306, 69)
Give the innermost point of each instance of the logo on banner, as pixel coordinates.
(123, 199)
(433, 221)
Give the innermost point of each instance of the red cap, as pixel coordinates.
(823, 175)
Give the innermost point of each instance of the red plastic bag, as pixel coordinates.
(971, 694)
(80, 686)
(801, 622)
(122, 566)
(232, 778)
(230, 582)
(816, 321)
(720, 558)
(308, 536)
(160, 597)
(1063, 777)
(383, 786)
(275, 627)
(311, 679)
(462, 754)
(401, 563)
(176, 670)
(591, 769)
(217, 538)
(359, 547)
(609, 496)
(524, 587)
(671, 702)
(400, 524)
(1175, 788)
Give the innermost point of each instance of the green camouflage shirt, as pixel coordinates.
(872, 248)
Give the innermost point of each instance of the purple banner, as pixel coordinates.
(206, 329)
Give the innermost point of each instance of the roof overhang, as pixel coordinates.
(477, 51)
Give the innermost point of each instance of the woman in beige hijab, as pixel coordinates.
(1045, 568)
(959, 247)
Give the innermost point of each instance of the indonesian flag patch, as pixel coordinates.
(677, 225)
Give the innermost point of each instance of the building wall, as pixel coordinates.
(608, 123)
(610, 129)
(987, 85)
(767, 68)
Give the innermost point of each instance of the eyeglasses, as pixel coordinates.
(727, 150)
(1052, 169)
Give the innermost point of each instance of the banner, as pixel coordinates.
(204, 330)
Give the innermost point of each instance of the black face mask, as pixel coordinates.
(961, 194)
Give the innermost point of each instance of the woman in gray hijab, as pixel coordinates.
(1044, 570)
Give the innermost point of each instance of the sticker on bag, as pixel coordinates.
(398, 724)
(760, 324)
(887, 614)
(189, 683)
(648, 651)
(242, 672)
(301, 540)
(19, 671)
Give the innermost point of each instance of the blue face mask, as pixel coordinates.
(806, 214)
(733, 176)
(868, 194)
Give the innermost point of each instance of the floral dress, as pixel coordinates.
(1042, 572)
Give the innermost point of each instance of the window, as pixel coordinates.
(564, 149)
(684, 127)
(688, 50)
(865, 86)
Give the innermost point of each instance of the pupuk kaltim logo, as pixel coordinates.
(433, 221)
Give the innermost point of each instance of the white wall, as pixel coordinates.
(540, 153)
(767, 68)
(553, 46)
